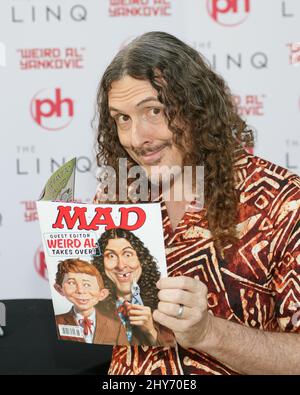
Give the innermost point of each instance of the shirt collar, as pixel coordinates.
(79, 316)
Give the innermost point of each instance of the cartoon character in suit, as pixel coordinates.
(82, 284)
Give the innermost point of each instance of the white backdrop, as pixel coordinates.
(52, 56)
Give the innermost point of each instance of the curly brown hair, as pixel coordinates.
(197, 99)
(150, 273)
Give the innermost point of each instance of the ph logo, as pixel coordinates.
(54, 113)
(40, 263)
(2, 55)
(228, 13)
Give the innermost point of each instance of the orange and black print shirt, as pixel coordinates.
(256, 283)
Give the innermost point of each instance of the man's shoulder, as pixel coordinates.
(266, 189)
(256, 174)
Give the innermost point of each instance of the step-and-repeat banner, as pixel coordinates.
(52, 56)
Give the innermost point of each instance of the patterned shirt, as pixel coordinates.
(256, 283)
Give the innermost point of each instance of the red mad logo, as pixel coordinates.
(228, 13)
(52, 112)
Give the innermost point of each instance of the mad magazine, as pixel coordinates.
(103, 263)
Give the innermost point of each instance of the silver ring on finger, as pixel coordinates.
(180, 312)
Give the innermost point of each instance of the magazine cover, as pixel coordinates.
(103, 263)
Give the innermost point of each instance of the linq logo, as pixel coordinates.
(54, 113)
(228, 12)
(40, 263)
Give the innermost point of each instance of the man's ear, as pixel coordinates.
(59, 289)
(104, 293)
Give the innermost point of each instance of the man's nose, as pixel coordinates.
(80, 288)
(121, 265)
(140, 134)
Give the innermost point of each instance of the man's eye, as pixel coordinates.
(110, 256)
(155, 111)
(122, 118)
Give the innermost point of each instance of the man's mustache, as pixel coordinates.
(150, 149)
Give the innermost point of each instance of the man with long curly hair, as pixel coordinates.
(233, 293)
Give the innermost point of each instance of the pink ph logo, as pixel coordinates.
(228, 13)
(51, 110)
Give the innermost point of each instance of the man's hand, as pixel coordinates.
(246, 350)
(194, 322)
(141, 316)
